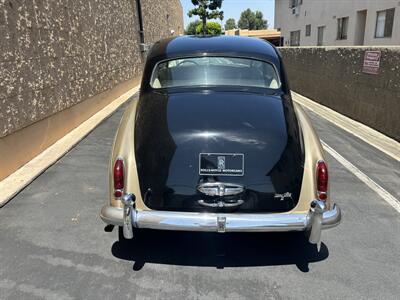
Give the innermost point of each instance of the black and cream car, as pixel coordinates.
(215, 143)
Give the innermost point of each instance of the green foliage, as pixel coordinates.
(230, 24)
(247, 19)
(212, 28)
(261, 23)
(206, 10)
(252, 20)
(191, 28)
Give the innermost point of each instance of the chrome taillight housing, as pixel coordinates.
(322, 180)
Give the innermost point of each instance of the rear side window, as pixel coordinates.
(214, 71)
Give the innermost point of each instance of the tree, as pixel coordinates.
(206, 10)
(247, 19)
(261, 23)
(191, 28)
(250, 20)
(230, 24)
(212, 28)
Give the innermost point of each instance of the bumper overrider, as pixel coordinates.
(317, 218)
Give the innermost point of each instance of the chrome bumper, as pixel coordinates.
(314, 221)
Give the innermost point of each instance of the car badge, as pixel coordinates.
(282, 197)
(220, 189)
(221, 162)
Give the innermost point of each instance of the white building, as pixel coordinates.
(338, 22)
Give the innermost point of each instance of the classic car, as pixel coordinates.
(215, 143)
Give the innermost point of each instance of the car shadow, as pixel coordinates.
(218, 250)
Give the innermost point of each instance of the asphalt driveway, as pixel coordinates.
(53, 244)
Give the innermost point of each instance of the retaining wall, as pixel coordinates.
(57, 54)
(333, 77)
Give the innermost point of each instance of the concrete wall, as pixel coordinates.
(56, 54)
(325, 13)
(160, 17)
(333, 77)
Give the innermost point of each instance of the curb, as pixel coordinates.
(371, 136)
(17, 181)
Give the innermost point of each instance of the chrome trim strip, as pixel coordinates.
(220, 188)
(221, 203)
(188, 221)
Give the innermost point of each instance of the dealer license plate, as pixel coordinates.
(221, 164)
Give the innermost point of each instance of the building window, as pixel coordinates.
(343, 23)
(295, 38)
(308, 30)
(295, 3)
(384, 23)
(320, 38)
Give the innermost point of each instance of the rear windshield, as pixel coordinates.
(214, 71)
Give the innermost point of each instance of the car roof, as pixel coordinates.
(218, 45)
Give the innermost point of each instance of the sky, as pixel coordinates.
(233, 8)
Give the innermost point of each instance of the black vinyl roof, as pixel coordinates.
(217, 45)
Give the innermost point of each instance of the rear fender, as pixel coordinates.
(313, 153)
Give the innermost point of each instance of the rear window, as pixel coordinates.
(214, 71)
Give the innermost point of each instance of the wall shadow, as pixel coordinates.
(218, 250)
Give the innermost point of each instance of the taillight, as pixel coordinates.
(118, 178)
(322, 180)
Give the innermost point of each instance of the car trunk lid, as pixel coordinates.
(186, 140)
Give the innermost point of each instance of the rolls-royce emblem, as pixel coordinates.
(282, 197)
(220, 189)
(221, 162)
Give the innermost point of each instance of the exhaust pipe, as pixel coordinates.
(128, 210)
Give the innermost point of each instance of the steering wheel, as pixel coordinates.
(188, 61)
